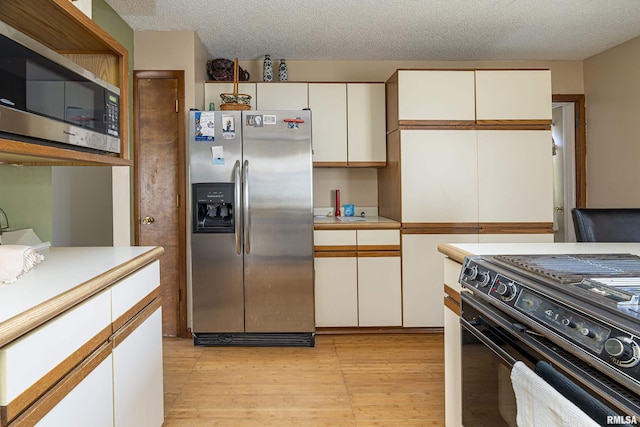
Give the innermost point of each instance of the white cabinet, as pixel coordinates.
(357, 287)
(379, 291)
(137, 374)
(348, 124)
(441, 95)
(336, 291)
(366, 123)
(103, 360)
(328, 103)
(513, 95)
(89, 403)
(438, 174)
(515, 176)
(282, 96)
(452, 346)
(212, 92)
(422, 277)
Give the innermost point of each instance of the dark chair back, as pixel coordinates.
(607, 225)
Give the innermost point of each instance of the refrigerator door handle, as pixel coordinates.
(246, 215)
(236, 202)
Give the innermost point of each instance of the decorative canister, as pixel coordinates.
(283, 75)
(267, 69)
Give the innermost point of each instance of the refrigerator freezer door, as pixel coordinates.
(217, 261)
(279, 217)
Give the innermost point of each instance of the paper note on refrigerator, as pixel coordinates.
(217, 155)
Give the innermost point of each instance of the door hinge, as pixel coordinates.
(177, 200)
(177, 110)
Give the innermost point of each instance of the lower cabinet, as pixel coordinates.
(98, 363)
(358, 278)
(137, 374)
(379, 296)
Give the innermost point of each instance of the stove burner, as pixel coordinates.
(568, 269)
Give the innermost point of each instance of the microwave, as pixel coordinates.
(47, 99)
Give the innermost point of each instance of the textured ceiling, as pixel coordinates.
(424, 30)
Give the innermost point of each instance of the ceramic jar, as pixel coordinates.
(283, 74)
(267, 69)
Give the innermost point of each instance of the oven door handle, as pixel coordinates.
(486, 341)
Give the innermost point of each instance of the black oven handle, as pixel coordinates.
(486, 341)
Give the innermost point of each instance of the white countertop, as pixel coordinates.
(355, 222)
(63, 269)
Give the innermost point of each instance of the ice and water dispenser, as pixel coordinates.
(213, 207)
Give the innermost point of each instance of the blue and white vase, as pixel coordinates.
(283, 75)
(267, 69)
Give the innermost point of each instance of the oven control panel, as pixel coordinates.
(617, 348)
(572, 325)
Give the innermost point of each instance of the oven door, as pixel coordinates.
(491, 344)
(488, 355)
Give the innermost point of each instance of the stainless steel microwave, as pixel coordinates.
(47, 99)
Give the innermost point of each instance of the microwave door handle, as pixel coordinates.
(236, 201)
(486, 341)
(246, 214)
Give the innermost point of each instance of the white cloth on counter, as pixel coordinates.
(16, 260)
(540, 405)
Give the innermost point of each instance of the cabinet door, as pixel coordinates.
(513, 94)
(89, 403)
(137, 374)
(212, 92)
(281, 96)
(439, 176)
(328, 103)
(379, 291)
(436, 95)
(423, 276)
(515, 176)
(367, 126)
(336, 291)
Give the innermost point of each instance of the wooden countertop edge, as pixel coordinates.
(452, 252)
(358, 226)
(30, 319)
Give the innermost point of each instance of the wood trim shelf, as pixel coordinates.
(85, 43)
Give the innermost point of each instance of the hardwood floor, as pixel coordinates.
(346, 380)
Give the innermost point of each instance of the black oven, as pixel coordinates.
(492, 342)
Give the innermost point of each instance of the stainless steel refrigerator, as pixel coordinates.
(252, 228)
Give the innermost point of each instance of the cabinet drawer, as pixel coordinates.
(25, 373)
(132, 294)
(334, 239)
(377, 238)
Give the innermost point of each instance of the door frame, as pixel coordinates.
(580, 154)
(181, 197)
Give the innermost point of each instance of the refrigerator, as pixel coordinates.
(251, 220)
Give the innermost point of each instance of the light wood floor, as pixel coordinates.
(346, 380)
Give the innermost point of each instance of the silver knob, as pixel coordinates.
(619, 349)
(506, 291)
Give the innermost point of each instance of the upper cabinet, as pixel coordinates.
(328, 103)
(348, 124)
(366, 124)
(281, 96)
(468, 98)
(64, 28)
(436, 95)
(513, 95)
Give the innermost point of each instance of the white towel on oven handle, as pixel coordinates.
(540, 405)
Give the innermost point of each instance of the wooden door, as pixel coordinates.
(160, 202)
